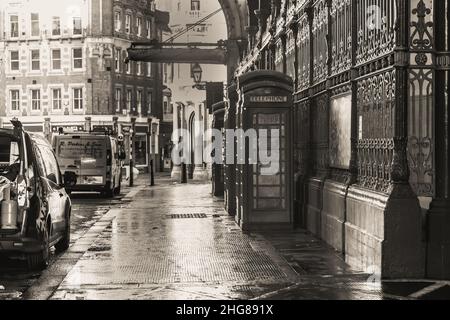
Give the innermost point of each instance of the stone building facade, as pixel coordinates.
(64, 66)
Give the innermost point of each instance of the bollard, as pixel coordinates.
(152, 174)
(183, 173)
(131, 180)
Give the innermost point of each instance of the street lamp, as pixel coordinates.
(197, 73)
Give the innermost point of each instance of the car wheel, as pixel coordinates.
(39, 260)
(64, 243)
(109, 193)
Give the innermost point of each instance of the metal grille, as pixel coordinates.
(188, 216)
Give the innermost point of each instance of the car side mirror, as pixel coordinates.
(70, 179)
(52, 177)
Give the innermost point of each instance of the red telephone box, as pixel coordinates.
(265, 199)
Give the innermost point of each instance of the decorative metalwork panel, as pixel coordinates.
(376, 103)
(290, 54)
(421, 37)
(302, 136)
(304, 60)
(279, 55)
(320, 44)
(320, 130)
(421, 135)
(376, 28)
(341, 26)
(421, 131)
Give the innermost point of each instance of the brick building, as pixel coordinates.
(67, 68)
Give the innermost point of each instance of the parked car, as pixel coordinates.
(93, 159)
(35, 208)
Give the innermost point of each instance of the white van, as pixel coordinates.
(95, 159)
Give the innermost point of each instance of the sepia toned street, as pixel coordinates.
(175, 242)
(226, 150)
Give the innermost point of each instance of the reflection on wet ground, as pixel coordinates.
(15, 279)
(176, 242)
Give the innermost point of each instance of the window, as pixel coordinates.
(35, 25)
(35, 60)
(56, 99)
(149, 29)
(118, 21)
(118, 99)
(14, 23)
(35, 100)
(139, 101)
(129, 99)
(117, 59)
(149, 69)
(128, 23)
(50, 165)
(14, 98)
(195, 5)
(56, 59)
(78, 58)
(56, 26)
(149, 102)
(129, 67)
(199, 28)
(78, 99)
(139, 26)
(77, 28)
(139, 68)
(14, 55)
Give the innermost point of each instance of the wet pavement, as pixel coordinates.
(16, 280)
(176, 242)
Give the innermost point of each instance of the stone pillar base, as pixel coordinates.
(383, 232)
(176, 173)
(438, 261)
(332, 219)
(315, 205)
(200, 174)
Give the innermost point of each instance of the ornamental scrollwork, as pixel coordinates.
(375, 146)
(421, 28)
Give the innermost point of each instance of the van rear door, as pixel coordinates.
(93, 160)
(68, 150)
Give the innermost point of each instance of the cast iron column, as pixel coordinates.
(438, 262)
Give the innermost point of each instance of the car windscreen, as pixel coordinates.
(90, 151)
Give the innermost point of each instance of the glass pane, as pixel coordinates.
(269, 192)
(269, 180)
(269, 203)
(268, 119)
